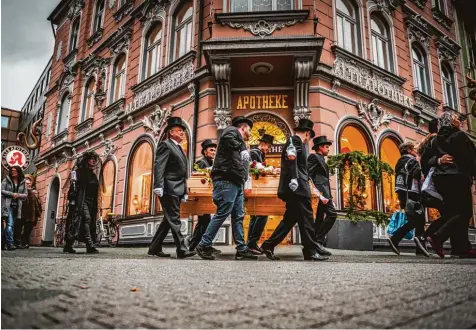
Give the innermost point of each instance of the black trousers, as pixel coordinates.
(171, 206)
(27, 228)
(84, 224)
(298, 210)
(17, 231)
(325, 218)
(200, 228)
(457, 210)
(255, 229)
(414, 221)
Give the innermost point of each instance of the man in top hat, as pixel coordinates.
(258, 222)
(319, 173)
(170, 175)
(229, 173)
(294, 190)
(209, 149)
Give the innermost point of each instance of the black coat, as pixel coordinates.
(204, 163)
(257, 155)
(228, 165)
(428, 158)
(171, 170)
(319, 174)
(294, 169)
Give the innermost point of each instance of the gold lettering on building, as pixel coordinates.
(252, 102)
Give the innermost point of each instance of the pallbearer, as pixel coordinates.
(294, 190)
(258, 222)
(209, 149)
(319, 173)
(170, 175)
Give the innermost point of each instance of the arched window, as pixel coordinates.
(139, 184)
(73, 40)
(88, 101)
(389, 153)
(182, 30)
(107, 183)
(261, 5)
(353, 138)
(421, 76)
(347, 25)
(98, 16)
(119, 78)
(449, 86)
(381, 47)
(63, 115)
(152, 51)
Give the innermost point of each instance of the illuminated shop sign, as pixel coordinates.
(262, 102)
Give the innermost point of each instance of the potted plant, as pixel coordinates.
(354, 231)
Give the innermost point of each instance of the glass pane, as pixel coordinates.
(239, 6)
(262, 5)
(423, 82)
(140, 181)
(158, 56)
(377, 26)
(374, 49)
(284, 4)
(63, 115)
(155, 34)
(340, 31)
(345, 7)
(348, 36)
(417, 55)
(117, 87)
(188, 45)
(390, 154)
(106, 189)
(352, 139)
(181, 41)
(383, 54)
(150, 65)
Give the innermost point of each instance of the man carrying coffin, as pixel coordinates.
(319, 173)
(209, 150)
(170, 175)
(294, 190)
(258, 222)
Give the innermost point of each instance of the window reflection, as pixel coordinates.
(390, 154)
(140, 180)
(107, 187)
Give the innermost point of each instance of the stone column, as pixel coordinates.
(303, 68)
(222, 114)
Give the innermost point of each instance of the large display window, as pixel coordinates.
(139, 185)
(107, 187)
(390, 154)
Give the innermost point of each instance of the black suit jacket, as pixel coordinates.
(204, 162)
(294, 169)
(170, 170)
(319, 174)
(258, 155)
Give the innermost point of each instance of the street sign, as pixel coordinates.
(16, 156)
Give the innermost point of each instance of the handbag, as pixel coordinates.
(430, 197)
(397, 221)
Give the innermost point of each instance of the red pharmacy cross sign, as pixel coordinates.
(15, 156)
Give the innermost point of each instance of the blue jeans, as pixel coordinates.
(229, 199)
(7, 233)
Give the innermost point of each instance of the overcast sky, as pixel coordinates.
(27, 45)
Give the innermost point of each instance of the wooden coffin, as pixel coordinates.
(262, 199)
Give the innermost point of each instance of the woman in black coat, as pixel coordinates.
(453, 179)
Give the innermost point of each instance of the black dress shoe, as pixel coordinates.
(245, 255)
(317, 257)
(159, 254)
(92, 250)
(322, 250)
(269, 253)
(205, 252)
(69, 249)
(187, 254)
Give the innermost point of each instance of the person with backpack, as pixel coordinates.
(453, 176)
(407, 186)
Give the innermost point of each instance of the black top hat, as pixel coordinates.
(174, 122)
(267, 138)
(320, 140)
(240, 119)
(207, 143)
(305, 125)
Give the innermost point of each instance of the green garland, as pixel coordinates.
(360, 167)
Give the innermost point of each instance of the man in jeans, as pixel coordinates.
(407, 186)
(229, 173)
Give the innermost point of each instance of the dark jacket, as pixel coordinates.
(257, 155)
(7, 196)
(204, 163)
(170, 169)
(413, 180)
(428, 158)
(456, 143)
(319, 174)
(31, 208)
(294, 169)
(228, 165)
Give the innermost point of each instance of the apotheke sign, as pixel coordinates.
(16, 156)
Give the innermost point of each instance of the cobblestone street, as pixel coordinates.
(124, 288)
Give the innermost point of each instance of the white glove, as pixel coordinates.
(185, 198)
(159, 191)
(293, 185)
(245, 156)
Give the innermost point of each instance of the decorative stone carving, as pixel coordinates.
(156, 121)
(406, 113)
(75, 8)
(263, 28)
(441, 18)
(95, 37)
(417, 29)
(152, 10)
(335, 85)
(419, 122)
(59, 49)
(175, 77)
(447, 50)
(420, 3)
(84, 127)
(221, 72)
(113, 109)
(121, 45)
(86, 144)
(388, 5)
(425, 103)
(303, 68)
(109, 149)
(130, 120)
(101, 137)
(124, 10)
(118, 128)
(191, 89)
(374, 114)
(359, 73)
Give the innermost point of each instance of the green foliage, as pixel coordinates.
(360, 167)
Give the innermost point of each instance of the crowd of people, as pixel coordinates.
(21, 209)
